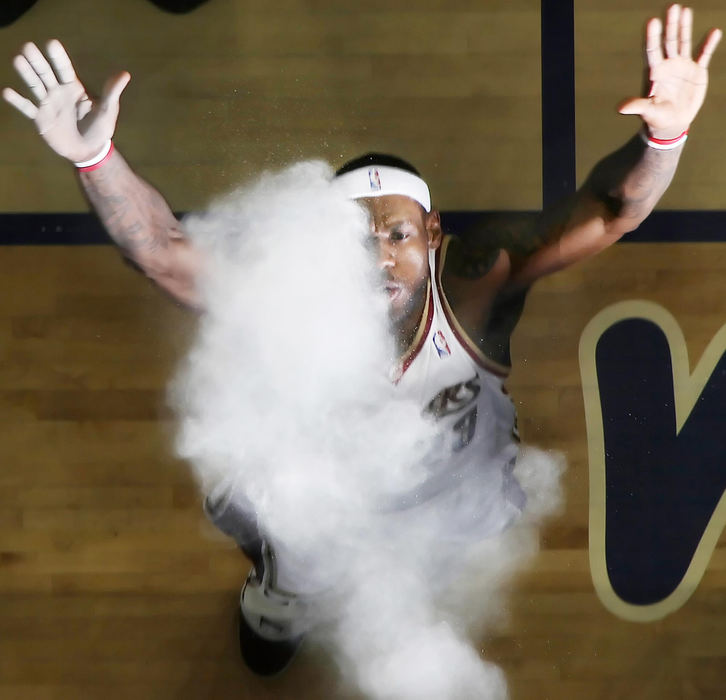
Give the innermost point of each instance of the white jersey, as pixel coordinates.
(463, 390)
(468, 493)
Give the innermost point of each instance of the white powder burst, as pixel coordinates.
(285, 396)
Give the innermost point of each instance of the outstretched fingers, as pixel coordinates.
(653, 42)
(672, 26)
(40, 65)
(673, 40)
(709, 46)
(20, 103)
(676, 40)
(61, 62)
(678, 82)
(40, 76)
(30, 77)
(685, 33)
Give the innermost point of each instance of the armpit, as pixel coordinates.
(469, 262)
(520, 234)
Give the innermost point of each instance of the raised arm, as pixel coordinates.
(624, 187)
(78, 128)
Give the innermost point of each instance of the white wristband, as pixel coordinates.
(663, 144)
(96, 159)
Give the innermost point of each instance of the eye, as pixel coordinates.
(398, 235)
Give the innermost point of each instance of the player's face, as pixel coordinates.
(402, 233)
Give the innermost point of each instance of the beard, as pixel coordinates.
(405, 316)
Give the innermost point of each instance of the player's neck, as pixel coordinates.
(405, 337)
(406, 329)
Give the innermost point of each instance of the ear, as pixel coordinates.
(433, 229)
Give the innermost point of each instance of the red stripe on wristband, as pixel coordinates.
(96, 166)
(667, 142)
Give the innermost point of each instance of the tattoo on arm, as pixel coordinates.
(620, 192)
(632, 180)
(139, 221)
(135, 215)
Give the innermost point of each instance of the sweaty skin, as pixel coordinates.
(488, 273)
(402, 233)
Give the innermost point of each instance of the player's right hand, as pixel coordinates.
(72, 124)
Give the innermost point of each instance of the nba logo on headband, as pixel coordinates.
(381, 180)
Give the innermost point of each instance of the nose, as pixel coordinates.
(386, 254)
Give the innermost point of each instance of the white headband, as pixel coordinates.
(380, 180)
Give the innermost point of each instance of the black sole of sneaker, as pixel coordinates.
(263, 656)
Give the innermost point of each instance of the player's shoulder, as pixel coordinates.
(478, 239)
(475, 271)
(461, 260)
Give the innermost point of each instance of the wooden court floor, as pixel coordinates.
(112, 583)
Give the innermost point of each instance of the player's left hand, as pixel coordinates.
(678, 82)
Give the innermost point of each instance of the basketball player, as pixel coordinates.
(453, 303)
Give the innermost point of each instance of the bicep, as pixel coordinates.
(576, 230)
(537, 244)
